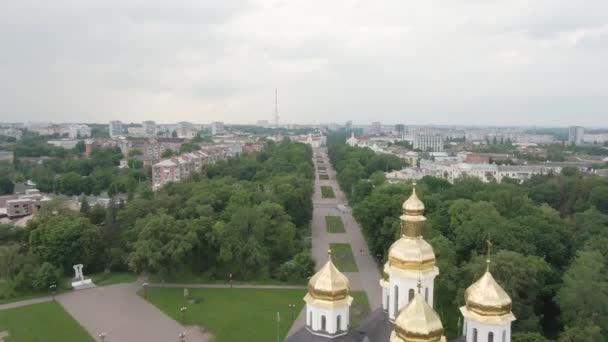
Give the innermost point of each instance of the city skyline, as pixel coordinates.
(520, 63)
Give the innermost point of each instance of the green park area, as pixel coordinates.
(343, 258)
(359, 309)
(334, 224)
(233, 314)
(44, 322)
(327, 192)
(323, 176)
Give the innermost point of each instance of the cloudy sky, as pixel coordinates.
(516, 62)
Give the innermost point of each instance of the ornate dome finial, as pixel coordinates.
(413, 206)
(418, 322)
(329, 283)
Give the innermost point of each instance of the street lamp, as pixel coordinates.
(53, 288)
(292, 307)
(182, 337)
(102, 337)
(145, 286)
(183, 311)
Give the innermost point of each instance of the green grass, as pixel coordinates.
(334, 224)
(187, 277)
(327, 192)
(323, 176)
(343, 258)
(45, 322)
(359, 309)
(233, 314)
(101, 279)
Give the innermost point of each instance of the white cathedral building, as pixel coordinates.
(407, 313)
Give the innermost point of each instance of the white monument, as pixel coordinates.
(79, 282)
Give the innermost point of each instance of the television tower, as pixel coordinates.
(276, 108)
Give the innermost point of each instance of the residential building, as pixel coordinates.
(14, 206)
(427, 140)
(79, 131)
(149, 128)
(11, 132)
(65, 143)
(115, 128)
(217, 128)
(181, 167)
(576, 135)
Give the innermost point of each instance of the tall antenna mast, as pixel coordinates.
(276, 108)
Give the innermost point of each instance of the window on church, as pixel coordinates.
(396, 308)
(504, 336)
(474, 334)
(310, 320)
(490, 337)
(338, 323)
(323, 323)
(411, 295)
(426, 294)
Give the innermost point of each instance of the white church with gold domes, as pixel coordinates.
(407, 283)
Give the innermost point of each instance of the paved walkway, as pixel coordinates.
(367, 277)
(25, 302)
(124, 316)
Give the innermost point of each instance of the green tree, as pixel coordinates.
(161, 244)
(46, 275)
(85, 207)
(6, 186)
(583, 298)
(528, 337)
(64, 239)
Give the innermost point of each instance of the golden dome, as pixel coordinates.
(418, 322)
(329, 284)
(487, 298)
(411, 254)
(413, 206)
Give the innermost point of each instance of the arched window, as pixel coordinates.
(490, 337)
(504, 336)
(426, 295)
(474, 334)
(396, 309)
(410, 295)
(310, 319)
(323, 323)
(387, 300)
(338, 323)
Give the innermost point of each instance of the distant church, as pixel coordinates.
(407, 313)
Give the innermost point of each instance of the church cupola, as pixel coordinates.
(418, 322)
(409, 258)
(328, 302)
(487, 313)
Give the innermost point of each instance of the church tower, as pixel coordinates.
(418, 322)
(328, 302)
(487, 313)
(410, 259)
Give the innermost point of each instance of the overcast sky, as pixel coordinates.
(515, 62)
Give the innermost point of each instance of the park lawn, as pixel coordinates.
(327, 192)
(185, 276)
(233, 314)
(334, 224)
(359, 309)
(343, 258)
(44, 322)
(101, 279)
(323, 176)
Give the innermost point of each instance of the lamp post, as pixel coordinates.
(145, 286)
(292, 307)
(102, 337)
(53, 288)
(230, 279)
(182, 337)
(183, 311)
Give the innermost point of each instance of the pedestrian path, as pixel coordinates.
(366, 279)
(25, 302)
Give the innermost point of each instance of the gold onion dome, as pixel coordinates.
(411, 251)
(413, 206)
(329, 283)
(487, 298)
(418, 322)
